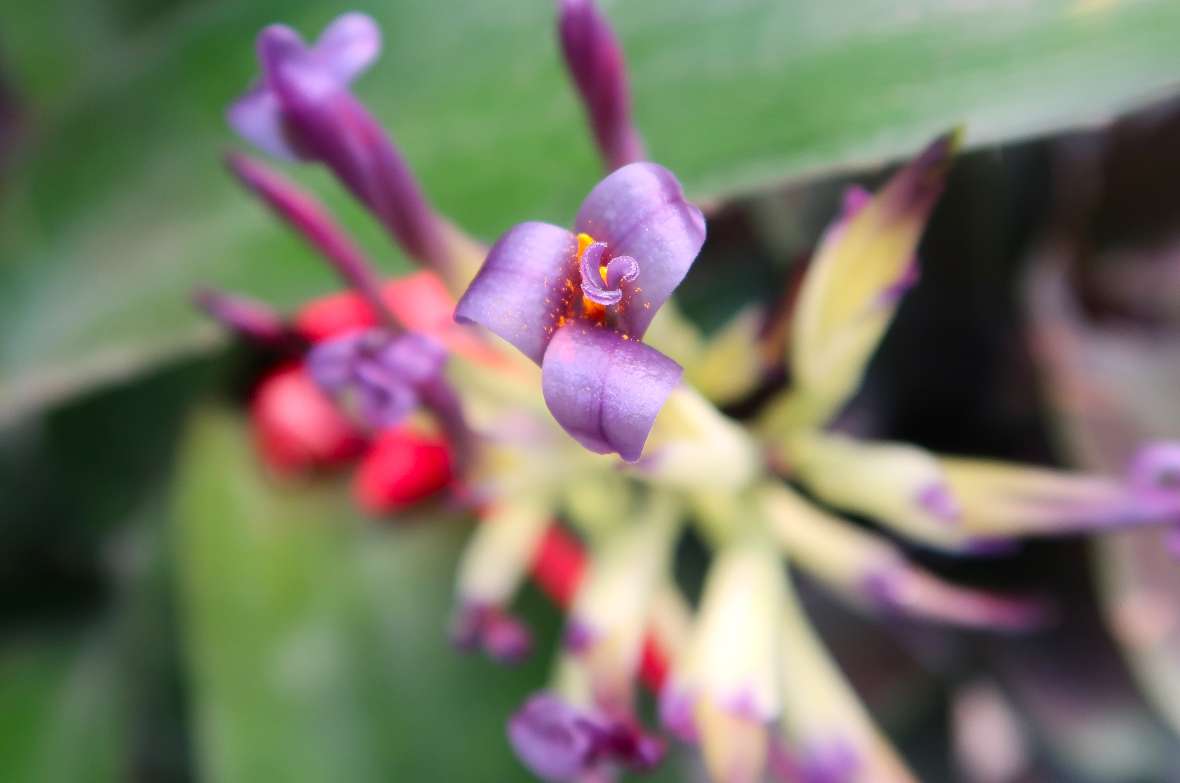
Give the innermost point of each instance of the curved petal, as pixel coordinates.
(605, 389)
(258, 118)
(524, 286)
(277, 45)
(640, 211)
(349, 45)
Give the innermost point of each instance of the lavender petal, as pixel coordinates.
(258, 118)
(525, 286)
(640, 211)
(349, 45)
(604, 389)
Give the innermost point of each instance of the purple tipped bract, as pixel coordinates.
(578, 304)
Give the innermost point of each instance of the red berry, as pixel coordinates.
(297, 428)
(402, 467)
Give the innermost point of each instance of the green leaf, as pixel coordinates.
(119, 207)
(316, 641)
(62, 718)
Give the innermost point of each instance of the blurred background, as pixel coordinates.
(171, 612)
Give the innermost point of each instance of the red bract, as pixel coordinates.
(297, 428)
(403, 467)
(420, 302)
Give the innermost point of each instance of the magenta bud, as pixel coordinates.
(595, 61)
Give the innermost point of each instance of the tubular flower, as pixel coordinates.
(579, 303)
(301, 109)
(595, 61)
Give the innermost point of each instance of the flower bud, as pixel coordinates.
(595, 61)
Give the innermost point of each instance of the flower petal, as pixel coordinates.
(349, 45)
(258, 118)
(640, 211)
(524, 286)
(604, 389)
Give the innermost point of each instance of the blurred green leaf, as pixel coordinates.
(62, 718)
(316, 641)
(120, 206)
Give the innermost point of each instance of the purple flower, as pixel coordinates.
(302, 109)
(559, 742)
(388, 374)
(595, 60)
(579, 304)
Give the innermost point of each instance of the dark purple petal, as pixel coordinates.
(349, 45)
(605, 389)
(524, 287)
(595, 60)
(640, 211)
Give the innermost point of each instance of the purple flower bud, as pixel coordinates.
(302, 109)
(558, 742)
(501, 636)
(595, 61)
(248, 317)
(579, 305)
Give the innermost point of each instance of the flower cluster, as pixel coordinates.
(431, 381)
